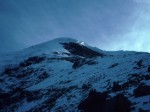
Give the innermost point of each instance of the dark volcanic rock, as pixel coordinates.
(140, 63)
(148, 69)
(116, 87)
(31, 60)
(113, 65)
(96, 102)
(118, 103)
(142, 90)
(80, 50)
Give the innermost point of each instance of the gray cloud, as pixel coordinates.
(109, 25)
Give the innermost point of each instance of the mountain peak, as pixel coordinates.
(60, 45)
(63, 74)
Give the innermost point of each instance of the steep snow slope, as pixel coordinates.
(58, 75)
(47, 48)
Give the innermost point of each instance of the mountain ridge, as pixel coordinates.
(68, 75)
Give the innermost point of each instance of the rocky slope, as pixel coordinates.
(66, 75)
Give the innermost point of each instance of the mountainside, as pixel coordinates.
(66, 75)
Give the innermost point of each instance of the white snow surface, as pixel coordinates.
(61, 75)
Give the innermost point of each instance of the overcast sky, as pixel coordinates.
(106, 24)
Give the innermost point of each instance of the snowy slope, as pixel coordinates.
(58, 75)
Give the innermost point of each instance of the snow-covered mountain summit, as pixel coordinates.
(56, 45)
(65, 74)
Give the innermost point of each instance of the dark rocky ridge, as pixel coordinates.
(80, 50)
